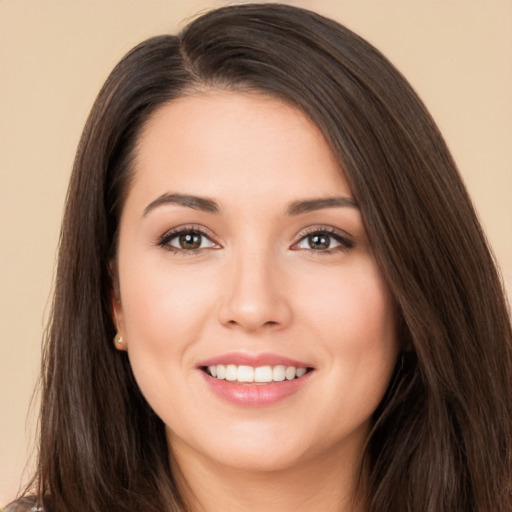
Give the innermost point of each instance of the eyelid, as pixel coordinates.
(345, 240)
(164, 239)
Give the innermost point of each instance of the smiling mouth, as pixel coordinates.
(244, 374)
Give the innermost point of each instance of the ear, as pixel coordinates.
(116, 309)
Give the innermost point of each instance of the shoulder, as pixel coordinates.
(26, 504)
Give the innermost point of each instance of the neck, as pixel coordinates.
(326, 485)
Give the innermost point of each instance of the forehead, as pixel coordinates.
(230, 144)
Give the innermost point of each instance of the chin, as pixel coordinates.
(260, 459)
(268, 448)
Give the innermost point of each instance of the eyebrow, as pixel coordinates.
(194, 202)
(209, 206)
(310, 205)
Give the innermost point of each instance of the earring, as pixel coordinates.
(118, 340)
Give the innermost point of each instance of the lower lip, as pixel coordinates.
(255, 395)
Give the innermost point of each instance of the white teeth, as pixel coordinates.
(300, 372)
(279, 373)
(260, 374)
(263, 374)
(231, 372)
(245, 374)
(221, 371)
(290, 373)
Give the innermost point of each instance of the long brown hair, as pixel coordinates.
(441, 440)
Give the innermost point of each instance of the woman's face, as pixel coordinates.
(256, 321)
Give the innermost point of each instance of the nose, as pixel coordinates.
(255, 296)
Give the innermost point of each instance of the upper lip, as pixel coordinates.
(255, 360)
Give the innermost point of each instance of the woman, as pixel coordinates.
(305, 314)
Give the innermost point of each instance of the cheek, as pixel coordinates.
(165, 310)
(351, 308)
(156, 293)
(354, 320)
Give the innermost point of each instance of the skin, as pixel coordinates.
(256, 284)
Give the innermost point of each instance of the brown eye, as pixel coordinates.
(323, 241)
(319, 241)
(187, 240)
(190, 240)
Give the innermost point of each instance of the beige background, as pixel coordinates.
(54, 56)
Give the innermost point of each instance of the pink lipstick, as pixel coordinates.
(254, 380)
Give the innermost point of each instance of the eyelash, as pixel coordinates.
(165, 239)
(345, 243)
